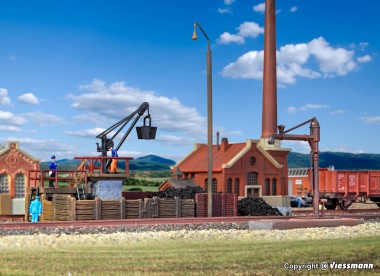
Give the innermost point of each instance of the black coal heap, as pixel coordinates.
(256, 207)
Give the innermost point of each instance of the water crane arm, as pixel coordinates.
(106, 143)
(313, 139)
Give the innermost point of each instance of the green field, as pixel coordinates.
(193, 257)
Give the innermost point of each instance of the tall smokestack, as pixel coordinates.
(269, 112)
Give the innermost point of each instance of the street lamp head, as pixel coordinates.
(195, 37)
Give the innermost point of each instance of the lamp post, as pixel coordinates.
(209, 119)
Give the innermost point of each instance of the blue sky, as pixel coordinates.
(69, 69)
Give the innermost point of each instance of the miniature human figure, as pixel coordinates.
(114, 161)
(53, 168)
(35, 209)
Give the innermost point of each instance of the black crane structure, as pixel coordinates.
(146, 132)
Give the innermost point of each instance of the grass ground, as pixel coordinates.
(185, 257)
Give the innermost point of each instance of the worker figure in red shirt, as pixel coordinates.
(35, 208)
(114, 160)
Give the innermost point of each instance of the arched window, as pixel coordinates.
(229, 185)
(4, 184)
(20, 185)
(236, 186)
(267, 186)
(252, 178)
(252, 161)
(274, 186)
(206, 184)
(214, 185)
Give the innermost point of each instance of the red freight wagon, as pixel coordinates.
(345, 187)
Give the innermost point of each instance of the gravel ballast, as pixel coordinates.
(64, 237)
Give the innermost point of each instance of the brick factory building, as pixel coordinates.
(247, 169)
(14, 169)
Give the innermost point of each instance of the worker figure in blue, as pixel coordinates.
(53, 170)
(114, 161)
(35, 209)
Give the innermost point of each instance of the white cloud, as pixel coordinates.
(293, 9)
(365, 58)
(117, 100)
(225, 10)
(28, 98)
(9, 128)
(7, 118)
(332, 61)
(248, 66)
(296, 146)
(336, 112)
(229, 2)
(259, 8)
(36, 147)
(42, 119)
(245, 30)
(363, 45)
(177, 140)
(306, 107)
(4, 99)
(91, 133)
(370, 119)
(227, 38)
(296, 60)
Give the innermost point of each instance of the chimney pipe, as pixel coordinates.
(269, 108)
(217, 140)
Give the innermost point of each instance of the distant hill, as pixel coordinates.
(146, 163)
(150, 163)
(340, 160)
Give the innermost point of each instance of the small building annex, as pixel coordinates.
(247, 169)
(14, 169)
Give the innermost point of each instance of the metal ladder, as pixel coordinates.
(81, 193)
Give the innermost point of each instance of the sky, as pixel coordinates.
(70, 69)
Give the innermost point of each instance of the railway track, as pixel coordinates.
(16, 222)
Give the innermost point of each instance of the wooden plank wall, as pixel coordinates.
(67, 208)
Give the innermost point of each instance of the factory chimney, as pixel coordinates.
(269, 111)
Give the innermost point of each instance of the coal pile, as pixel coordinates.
(256, 207)
(184, 193)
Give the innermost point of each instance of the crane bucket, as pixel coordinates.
(146, 132)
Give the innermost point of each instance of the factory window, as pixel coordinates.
(4, 184)
(252, 160)
(274, 186)
(267, 187)
(252, 178)
(20, 185)
(214, 186)
(206, 184)
(236, 186)
(229, 185)
(193, 175)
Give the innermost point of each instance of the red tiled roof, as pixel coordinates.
(198, 160)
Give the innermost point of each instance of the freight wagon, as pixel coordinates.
(342, 188)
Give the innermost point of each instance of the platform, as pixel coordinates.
(110, 176)
(283, 224)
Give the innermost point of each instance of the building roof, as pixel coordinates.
(182, 183)
(198, 159)
(297, 172)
